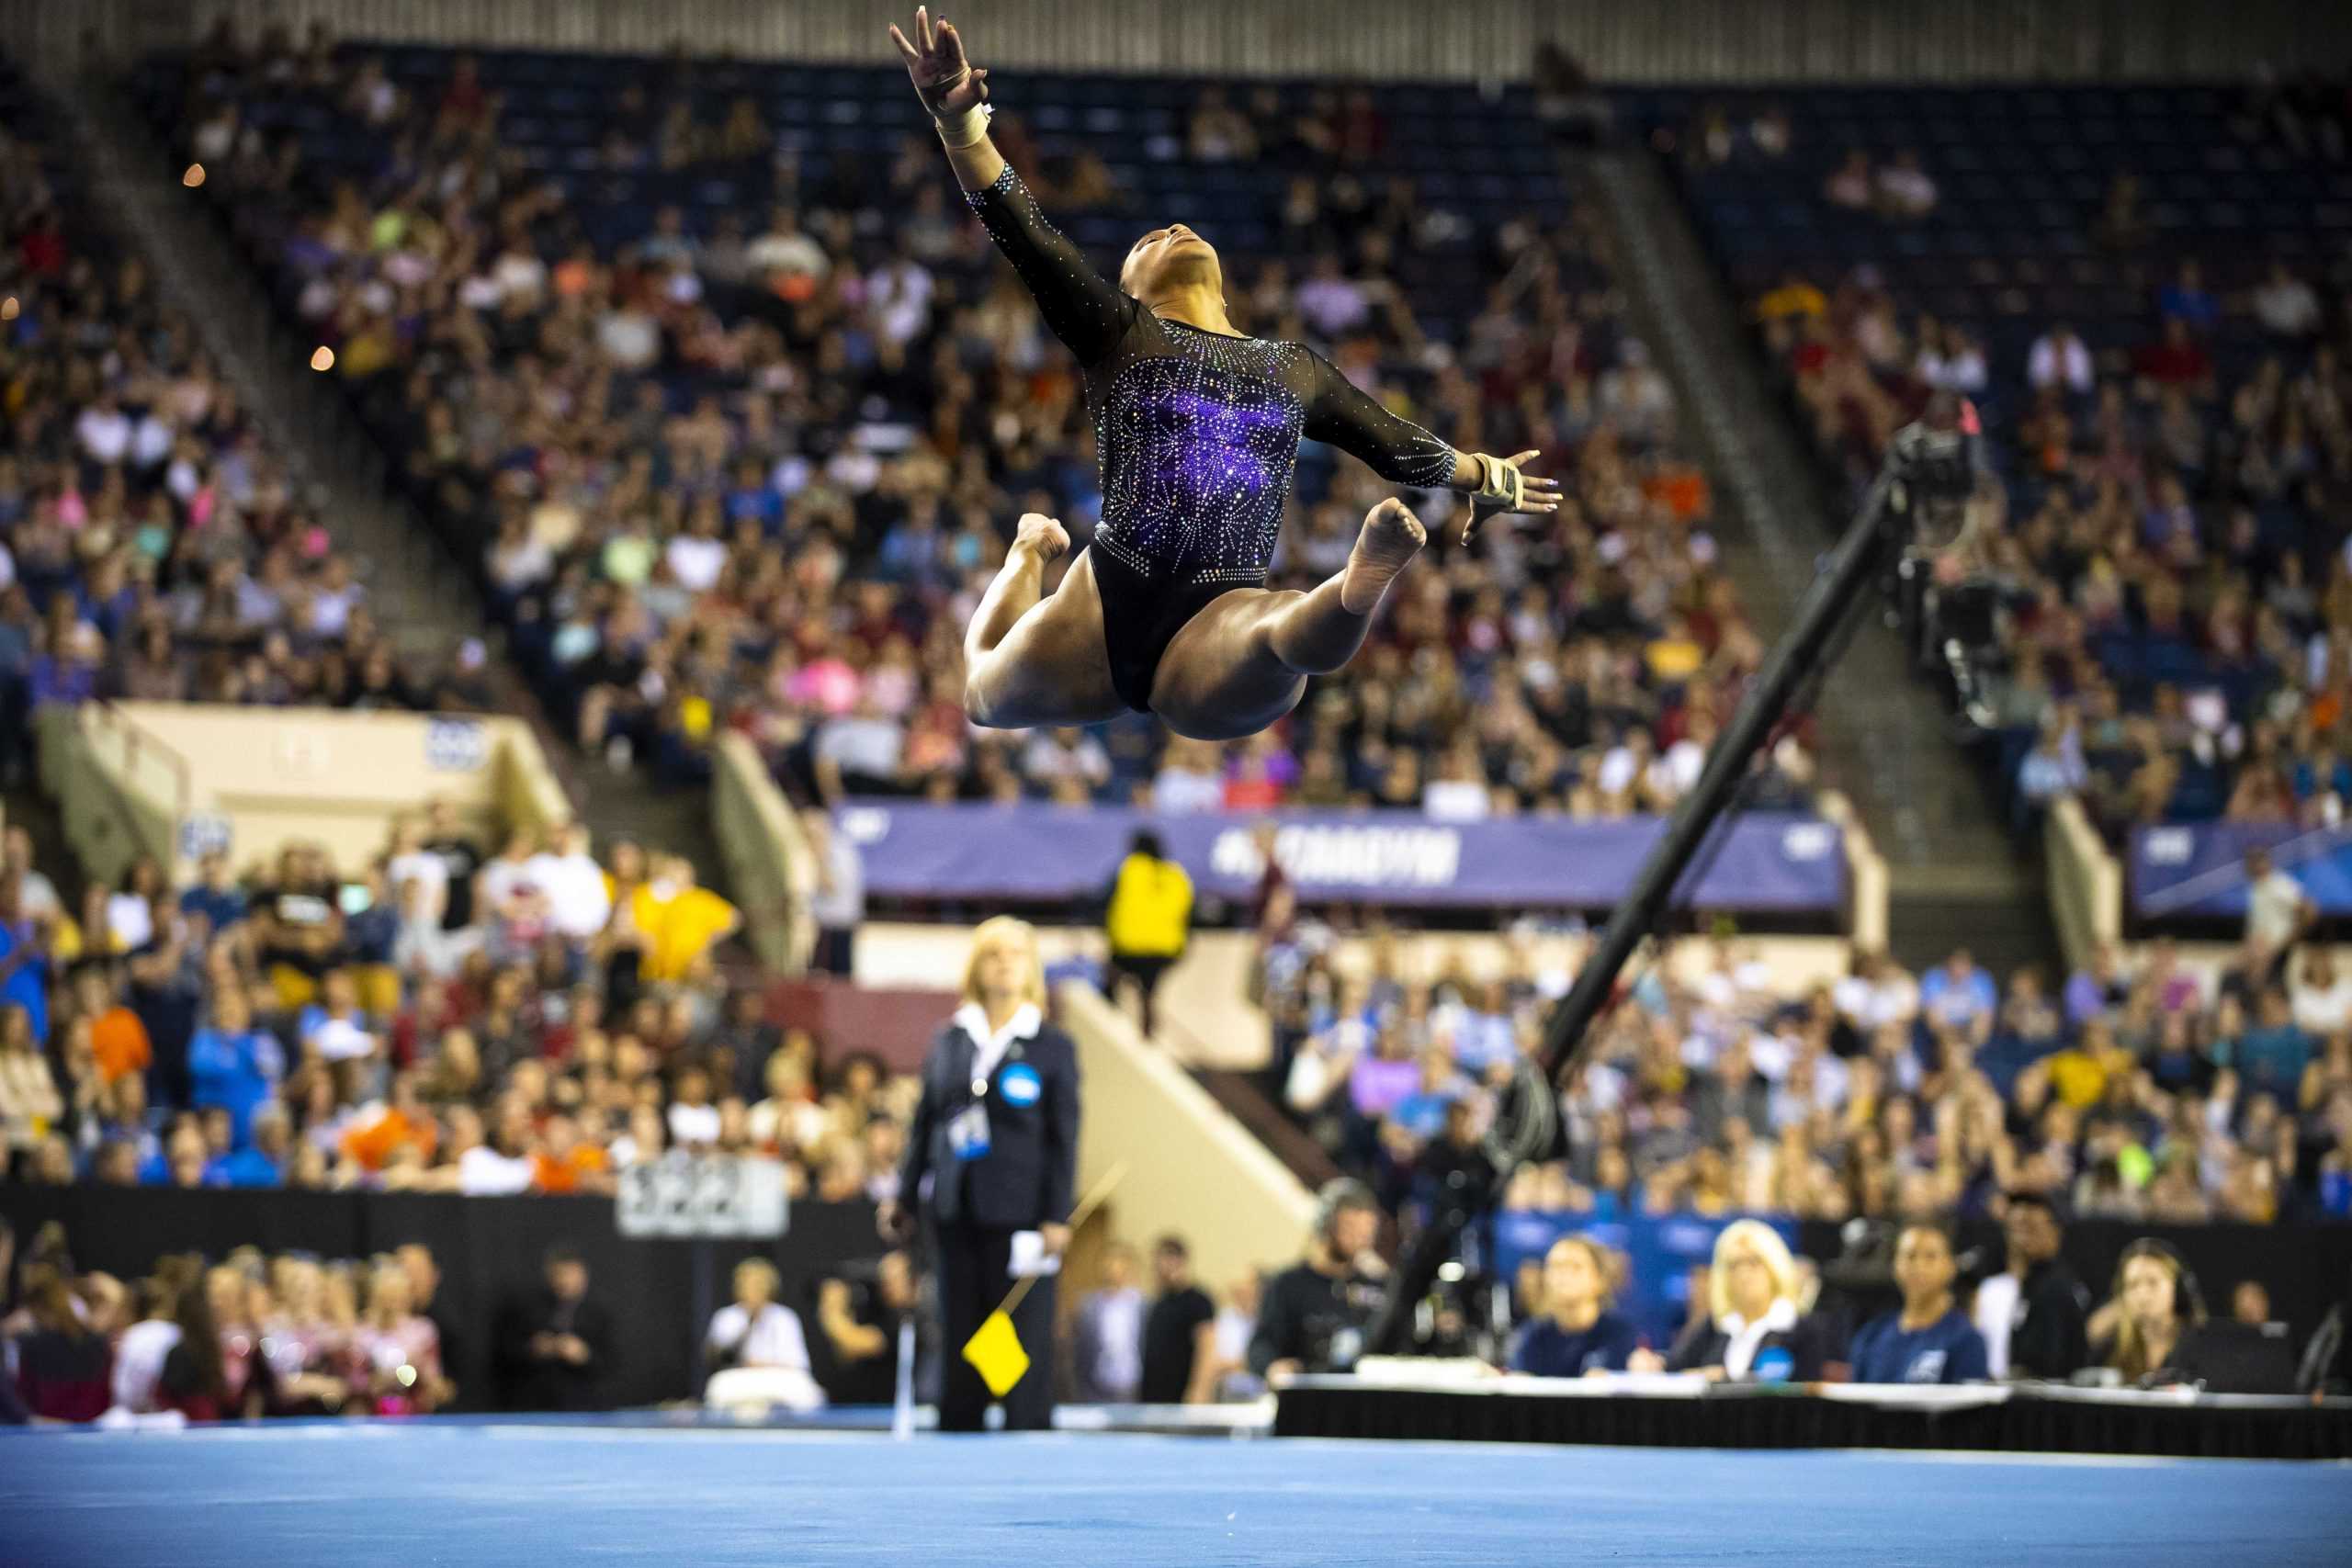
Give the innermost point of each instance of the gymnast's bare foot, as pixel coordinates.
(1041, 536)
(1392, 536)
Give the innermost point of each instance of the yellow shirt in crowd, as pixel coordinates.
(677, 929)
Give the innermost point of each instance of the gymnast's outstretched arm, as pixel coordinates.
(1086, 310)
(1343, 414)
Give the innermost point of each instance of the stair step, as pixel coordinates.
(2002, 934)
(53, 856)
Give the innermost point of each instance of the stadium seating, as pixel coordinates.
(1429, 201)
(2187, 240)
(156, 540)
(710, 497)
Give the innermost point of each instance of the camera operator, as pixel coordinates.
(1315, 1313)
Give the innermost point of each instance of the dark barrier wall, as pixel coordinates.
(894, 1022)
(2027, 1423)
(490, 1251)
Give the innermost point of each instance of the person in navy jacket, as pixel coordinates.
(1757, 1329)
(995, 1133)
(1579, 1334)
(1930, 1339)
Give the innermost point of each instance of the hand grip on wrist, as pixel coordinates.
(1500, 484)
(964, 127)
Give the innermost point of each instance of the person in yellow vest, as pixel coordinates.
(1149, 919)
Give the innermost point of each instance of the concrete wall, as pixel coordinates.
(1871, 886)
(2086, 881)
(1214, 1023)
(266, 776)
(1190, 1167)
(108, 824)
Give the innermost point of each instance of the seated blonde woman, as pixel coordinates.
(1756, 1328)
(755, 1348)
(2152, 1329)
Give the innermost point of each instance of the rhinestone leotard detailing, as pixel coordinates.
(1197, 430)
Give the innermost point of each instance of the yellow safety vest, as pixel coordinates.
(1151, 909)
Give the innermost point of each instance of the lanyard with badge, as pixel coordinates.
(967, 1132)
(1018, 1085)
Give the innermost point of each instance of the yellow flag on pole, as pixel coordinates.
(996, 1354)
(996, 1351)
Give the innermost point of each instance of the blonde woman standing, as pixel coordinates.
(995, 1136)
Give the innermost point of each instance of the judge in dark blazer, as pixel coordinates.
(995, 1136)
(556, 1345)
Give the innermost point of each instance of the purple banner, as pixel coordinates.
(1783, 861)
(2197, 870)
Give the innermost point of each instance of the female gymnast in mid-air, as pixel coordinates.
(1198, 425)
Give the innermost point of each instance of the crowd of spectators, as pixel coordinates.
(1897, 187)
(155, 543)
(1903, 1304)
(2149, 1093)
(247, 1335)
(250, 1335)
(442, 1019)
(1928, 1313)
(1165, 1339)
(2161, 625)
(750, 468)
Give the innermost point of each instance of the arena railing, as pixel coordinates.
(1480, 42)
(2086, 881)
(122, 791)
(174, 780)
(771, 866)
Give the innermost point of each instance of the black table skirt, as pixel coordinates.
(2022, 1422)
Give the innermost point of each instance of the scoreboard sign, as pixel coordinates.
(702, 1196)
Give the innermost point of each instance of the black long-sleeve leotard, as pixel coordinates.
(1197, 430)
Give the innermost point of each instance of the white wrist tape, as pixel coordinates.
(964, 127)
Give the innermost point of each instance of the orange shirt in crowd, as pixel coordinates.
(1682, 487)
(371, 1144)
(553, 1175)
(118, 1042)
(2327, 708)
(1247, 793)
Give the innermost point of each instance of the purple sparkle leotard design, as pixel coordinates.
(1196, 432)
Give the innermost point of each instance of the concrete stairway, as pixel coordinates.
(424, 597)
(1890, 744)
